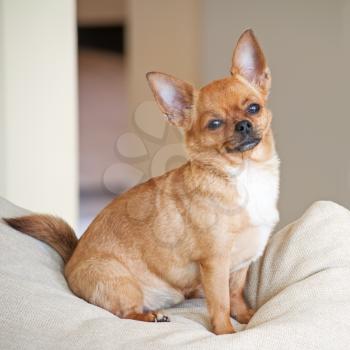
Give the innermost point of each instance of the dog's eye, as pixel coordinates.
(215, 124)
(253, 108)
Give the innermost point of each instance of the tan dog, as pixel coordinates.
(200, 225)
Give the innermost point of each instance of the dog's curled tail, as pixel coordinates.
(49, 229)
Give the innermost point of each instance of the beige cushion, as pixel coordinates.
(301, 287)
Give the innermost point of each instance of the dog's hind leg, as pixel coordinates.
(149, 316)
(107, 283)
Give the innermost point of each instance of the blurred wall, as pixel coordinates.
(100, 12)
(39, 111)
(306, 43)
(2, 109)
(162, 35)
(103, 115)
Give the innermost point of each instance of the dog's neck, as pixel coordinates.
(225, 166)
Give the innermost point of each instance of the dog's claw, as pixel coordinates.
(161, 318)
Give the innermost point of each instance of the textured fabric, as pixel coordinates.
(300, 287)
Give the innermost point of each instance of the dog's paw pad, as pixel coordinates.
(161, 318)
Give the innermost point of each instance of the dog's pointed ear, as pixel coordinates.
(174, 97)
(249, 61)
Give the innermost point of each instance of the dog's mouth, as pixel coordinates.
(244, 146)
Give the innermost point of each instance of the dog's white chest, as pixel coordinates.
(258, 193)
(258, 188)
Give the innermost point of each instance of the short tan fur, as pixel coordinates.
(196, 228)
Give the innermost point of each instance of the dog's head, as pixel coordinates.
(228, 118)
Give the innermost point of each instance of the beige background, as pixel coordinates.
(38, 111)
(164, 36)
(307, 45)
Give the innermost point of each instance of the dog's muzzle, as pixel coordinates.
(247, 144)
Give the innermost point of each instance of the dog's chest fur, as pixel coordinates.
(257, 186)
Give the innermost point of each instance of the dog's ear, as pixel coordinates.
(249, 61)
(174, 97)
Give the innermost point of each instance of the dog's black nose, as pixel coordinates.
(244, 127)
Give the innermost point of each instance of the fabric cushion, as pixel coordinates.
(300, 288)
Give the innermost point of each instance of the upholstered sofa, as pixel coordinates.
(300, 289)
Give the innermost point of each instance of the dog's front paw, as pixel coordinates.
(243, 316)
(226, 329)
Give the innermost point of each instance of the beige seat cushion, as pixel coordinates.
(300, 287)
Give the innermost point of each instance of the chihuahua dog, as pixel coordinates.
(196, 228)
